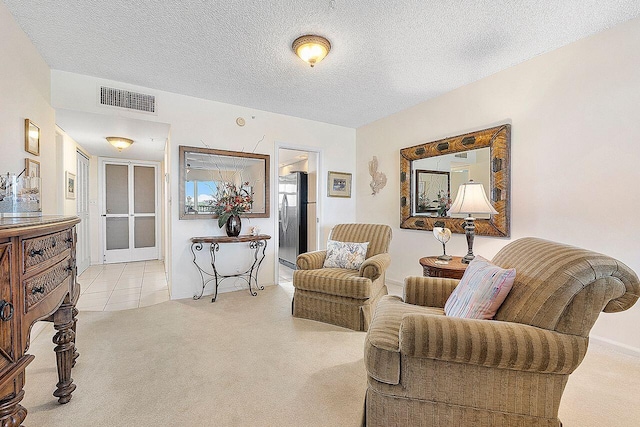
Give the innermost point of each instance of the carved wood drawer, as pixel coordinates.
(42, 248)
(7, 319)
(39, 286)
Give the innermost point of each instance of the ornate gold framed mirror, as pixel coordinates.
(425, 195)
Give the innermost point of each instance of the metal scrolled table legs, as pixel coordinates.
(213, 249)
(205, 280)
(249, 275)
(256, 245)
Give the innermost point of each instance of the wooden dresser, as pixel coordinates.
(37, 282)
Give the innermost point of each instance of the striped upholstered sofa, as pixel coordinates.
(340, 296)
(427, 369)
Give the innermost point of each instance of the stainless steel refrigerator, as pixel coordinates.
(292, 198)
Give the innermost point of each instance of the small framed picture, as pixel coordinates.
(70, 184)
(31, 138)
(339, 184)
(32, 173)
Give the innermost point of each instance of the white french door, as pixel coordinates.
(130, 220)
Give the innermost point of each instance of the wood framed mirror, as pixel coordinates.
(425, 196)
(203, 171)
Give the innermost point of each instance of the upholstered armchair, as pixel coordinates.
(428, 369)
(341, 296)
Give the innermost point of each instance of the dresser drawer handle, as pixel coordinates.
(53, 242)
(34, 252)
(69, 240)
(39, 290)
(3, 315)
(68, 268)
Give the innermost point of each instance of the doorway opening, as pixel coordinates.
(298, 213)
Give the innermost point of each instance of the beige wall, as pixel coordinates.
(575, 150)
(25, 93)
(25, 87)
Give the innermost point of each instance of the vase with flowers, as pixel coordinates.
(228, 203)
(444, 203)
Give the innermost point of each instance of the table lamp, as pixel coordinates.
(471, 199)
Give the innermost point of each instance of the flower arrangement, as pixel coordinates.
(231, 200)
(444, 203)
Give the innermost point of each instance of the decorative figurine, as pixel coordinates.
(442, 235)
(378, 179)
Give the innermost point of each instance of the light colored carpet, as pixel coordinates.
(244, 361)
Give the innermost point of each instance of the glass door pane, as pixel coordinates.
(144, 189)
(145, 232)
(117, 233)
(117, 189)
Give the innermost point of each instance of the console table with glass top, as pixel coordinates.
(251, 275)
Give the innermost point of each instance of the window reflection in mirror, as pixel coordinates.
(204, 172)
(436, 180)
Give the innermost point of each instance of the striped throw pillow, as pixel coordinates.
(481, 291)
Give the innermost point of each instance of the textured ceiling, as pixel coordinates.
(386, 55)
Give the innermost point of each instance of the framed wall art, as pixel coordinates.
(31, 137)
(339, 184)
(31, 172)
(70, 184)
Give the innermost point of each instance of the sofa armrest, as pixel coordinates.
(489, 343)
(311, 260)
(375, 266)
(428, 291)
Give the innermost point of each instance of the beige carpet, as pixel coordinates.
(244, 361)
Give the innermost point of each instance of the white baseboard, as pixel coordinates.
(617, 346)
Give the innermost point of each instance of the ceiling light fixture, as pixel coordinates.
(311, 49)
(119, 142)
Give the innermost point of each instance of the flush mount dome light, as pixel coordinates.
(311, 49)
(119, 142)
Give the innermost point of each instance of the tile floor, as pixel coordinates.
(122, 286)
(285, 278)
(285, 274)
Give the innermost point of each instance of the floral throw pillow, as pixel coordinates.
(481, 291)
(345, 254)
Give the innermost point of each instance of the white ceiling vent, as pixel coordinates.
(126, 99)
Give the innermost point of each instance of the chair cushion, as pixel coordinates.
(382, 346)
(333, 281)
(348, 255)
(481, 291)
